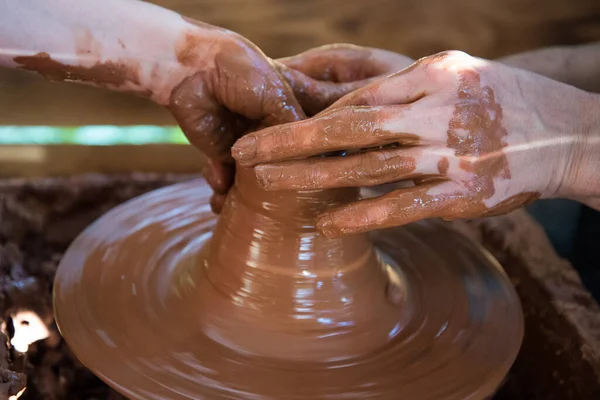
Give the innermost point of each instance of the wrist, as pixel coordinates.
(167, 47)
(549, 62)
(129, 46)
(581, 178)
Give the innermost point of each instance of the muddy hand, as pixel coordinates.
(477, 138)
(322, 75)
(235, 89)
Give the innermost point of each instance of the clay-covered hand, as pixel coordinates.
(318, 77)
(477, 138)
(235, 89)
(322, 75)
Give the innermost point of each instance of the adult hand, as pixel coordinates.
(477, 138)
(233, 89)
(322, 75)
(318, 78)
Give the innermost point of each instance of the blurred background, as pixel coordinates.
(62, 129)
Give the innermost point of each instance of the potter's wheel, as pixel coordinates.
(158, 311)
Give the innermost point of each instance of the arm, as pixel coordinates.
(578, 66)
(216, 83)
(121, 45)
(583, 180)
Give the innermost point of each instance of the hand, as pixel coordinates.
(234, 88)
(476, 137)
(214, 116)
(322, 75)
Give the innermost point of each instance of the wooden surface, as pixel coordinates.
(488, 28)
(61, 160)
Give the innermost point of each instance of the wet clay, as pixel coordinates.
(107, 74)
(162, 300)
(476, 131)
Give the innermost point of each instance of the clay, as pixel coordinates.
(38, 220)
(363, 169)
(476, 131)
(260, 305)
(443, 165)
(337, 130)
(557, 360)
(107, 74)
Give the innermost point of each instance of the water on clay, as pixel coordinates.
(271, 310)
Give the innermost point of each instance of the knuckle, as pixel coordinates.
(376, 164)
(332, 126)
(366, 97)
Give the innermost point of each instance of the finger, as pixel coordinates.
(404, 87)
(346, 62)
(371, 168)
(219, 175)
(340, 129)
(208, 126)
(314, 95)
(398, 208)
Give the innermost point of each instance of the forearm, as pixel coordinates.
(578, 66)
(582, 181)
(125, 45)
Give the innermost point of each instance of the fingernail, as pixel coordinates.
(326, 226)
(264, 176)
(244, 149)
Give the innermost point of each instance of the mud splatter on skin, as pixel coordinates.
(107, 74)
(232, 89)
(190, 48)
(476, 134)
(359, 170)
(114, 74)
(443, 165)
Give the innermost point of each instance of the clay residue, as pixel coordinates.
(287, 308)
(104, 74)
(476, 134)
(87, 66)
(359, 170)
(190, 47)
(512, 203)
(443, 165)
(237, 91)
(87, 45)
(332, 131)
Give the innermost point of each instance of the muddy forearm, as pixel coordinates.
(578, 66)
(125, 45)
